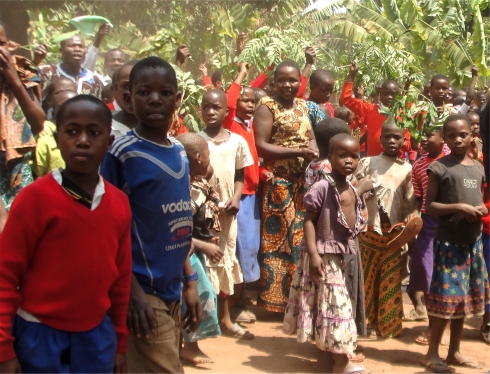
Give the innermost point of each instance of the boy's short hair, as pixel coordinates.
(107, 92)
(459, 100)
(319, 76)
(480, 94)
(259, 93)
(327, 129)
(221, 94)
(115, 75)
(50, 87)
(472, 114)
(74, 100)
(438, 77)
(341, 112)
(388, 82)
(456, 117)
(152, 63)
(336, 139)
(192, 143)
(289, 64)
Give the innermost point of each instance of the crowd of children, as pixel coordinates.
(127, 239)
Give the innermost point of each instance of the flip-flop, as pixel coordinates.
(237, 332)
(414, 316)
(356, 357)
(410, 230)
(437, 367)
(467, 363)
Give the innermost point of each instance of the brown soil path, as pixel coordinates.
(274, 352)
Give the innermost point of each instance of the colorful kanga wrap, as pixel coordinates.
(282, 231)
(321, 311)
(282, 205)
(459, 285)
(209, 326)
(382, 283)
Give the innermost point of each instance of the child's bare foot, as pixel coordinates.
(193, 354)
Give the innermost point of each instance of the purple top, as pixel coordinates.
(333, 234)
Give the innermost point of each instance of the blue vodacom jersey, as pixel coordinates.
(157, 181)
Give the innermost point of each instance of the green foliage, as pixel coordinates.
(419, 118)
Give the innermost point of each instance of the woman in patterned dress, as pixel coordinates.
(285, 140)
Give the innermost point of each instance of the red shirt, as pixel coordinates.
(72, 265)
(420, 178)
(373, 118)
(237, 126)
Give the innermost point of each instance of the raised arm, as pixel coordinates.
(357, 106)
(28, 102)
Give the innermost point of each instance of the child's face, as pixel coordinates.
(475, 124)
(387, 93)
(246, 104)
(287, 82)
(432, 142)
(270, 88)
(213, 109)
(450, 93)
(121, 88)
(321, 93)
(154, 98)
(439, 90)
(83, 137)
(345, 156)
(392, 139)
(457, 135)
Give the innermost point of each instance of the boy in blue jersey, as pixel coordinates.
(153, 170)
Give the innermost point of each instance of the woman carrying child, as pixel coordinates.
(319, 304)
(284, 138)
(459, 286)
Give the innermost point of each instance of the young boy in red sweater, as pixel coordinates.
(65, 268)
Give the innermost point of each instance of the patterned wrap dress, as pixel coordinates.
(282, 206)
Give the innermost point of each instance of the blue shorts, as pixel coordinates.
(43, 349)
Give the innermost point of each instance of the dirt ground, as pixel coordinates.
(273, 352)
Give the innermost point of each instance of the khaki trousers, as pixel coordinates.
(159, 353)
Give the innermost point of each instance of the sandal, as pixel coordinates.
(467, 363)
(237, 332)
(409, 231)
(437, 367)
(414, 316)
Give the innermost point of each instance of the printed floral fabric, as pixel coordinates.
(16, 138)
(291, 128)
(459, 286)
(209, 326)
(315, 114)
(321, 311)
